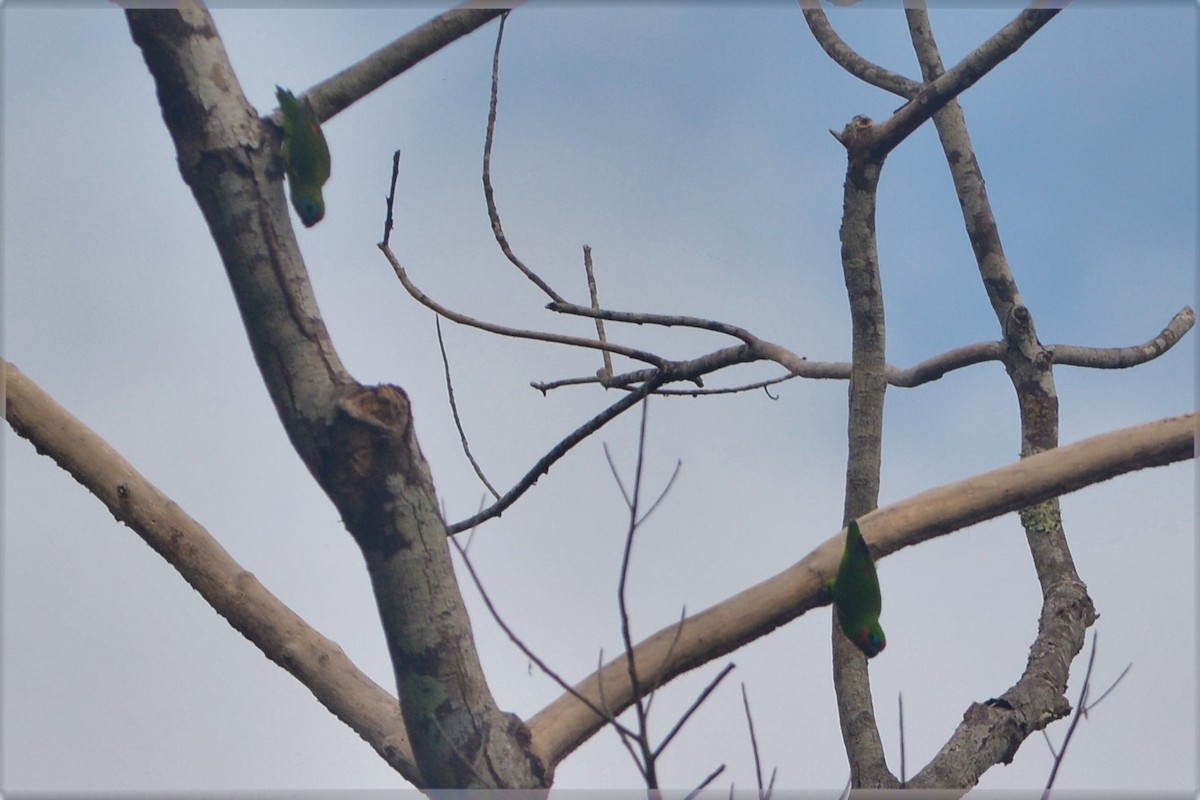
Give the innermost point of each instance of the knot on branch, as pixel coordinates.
(383, 409)
(997, 730)
(367, 445)
(858, 133)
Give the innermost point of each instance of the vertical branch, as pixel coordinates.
(868, 382)
(860, 269)
(1067, 610)
(647, 764)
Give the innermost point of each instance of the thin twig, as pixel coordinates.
(753, 740)
(1082, 707)
(558, 451)
(712, 685)
(462, 435)
(663, 494)
(594, 293)
(612, 467)
(503, 330)
(1058, 758)
(626, 635)
(647, 318)
(712, 776)
(512, 636)
(666, 659)
(621, 734)
(488, 193)
(693, 370)
(1107, 691)
(625, 740)
(391, 198)
(903, 764)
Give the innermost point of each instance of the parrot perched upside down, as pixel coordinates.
(856, 595)
(305, 157)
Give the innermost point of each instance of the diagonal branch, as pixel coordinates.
(503, 330)
(558, 451)
(462, 434)
(525, 649)
(357, 441)
(565, 724)
(924, 99)
(936, 93)
(334, 95)
(234, 593)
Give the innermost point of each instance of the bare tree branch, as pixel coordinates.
(558, 451)
(234, 593)
(647, 762)
(924, 372)
(849, 60)
(712, 776)
(1081, 710)
(648, 759)
(691, 709)
(1123, 357)
(502, 330)
(754, 745)
(390, 200)
(593, 292)
(990, 734)
(488, 193)
(924, 99)
(528, 651)
(357, 441)
(462, 435)
(937, 92)
(864, 434)
(644, 318)
(336, 94)
(565, 724)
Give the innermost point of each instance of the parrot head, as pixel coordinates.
(310, 206)
(870, 639)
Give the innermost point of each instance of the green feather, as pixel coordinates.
(305, 157)
(856, 595)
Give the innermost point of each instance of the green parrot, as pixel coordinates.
(856, 595)
(305, 156)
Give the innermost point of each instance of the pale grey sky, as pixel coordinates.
(689, 147)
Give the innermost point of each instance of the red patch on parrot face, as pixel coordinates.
(870, 643)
